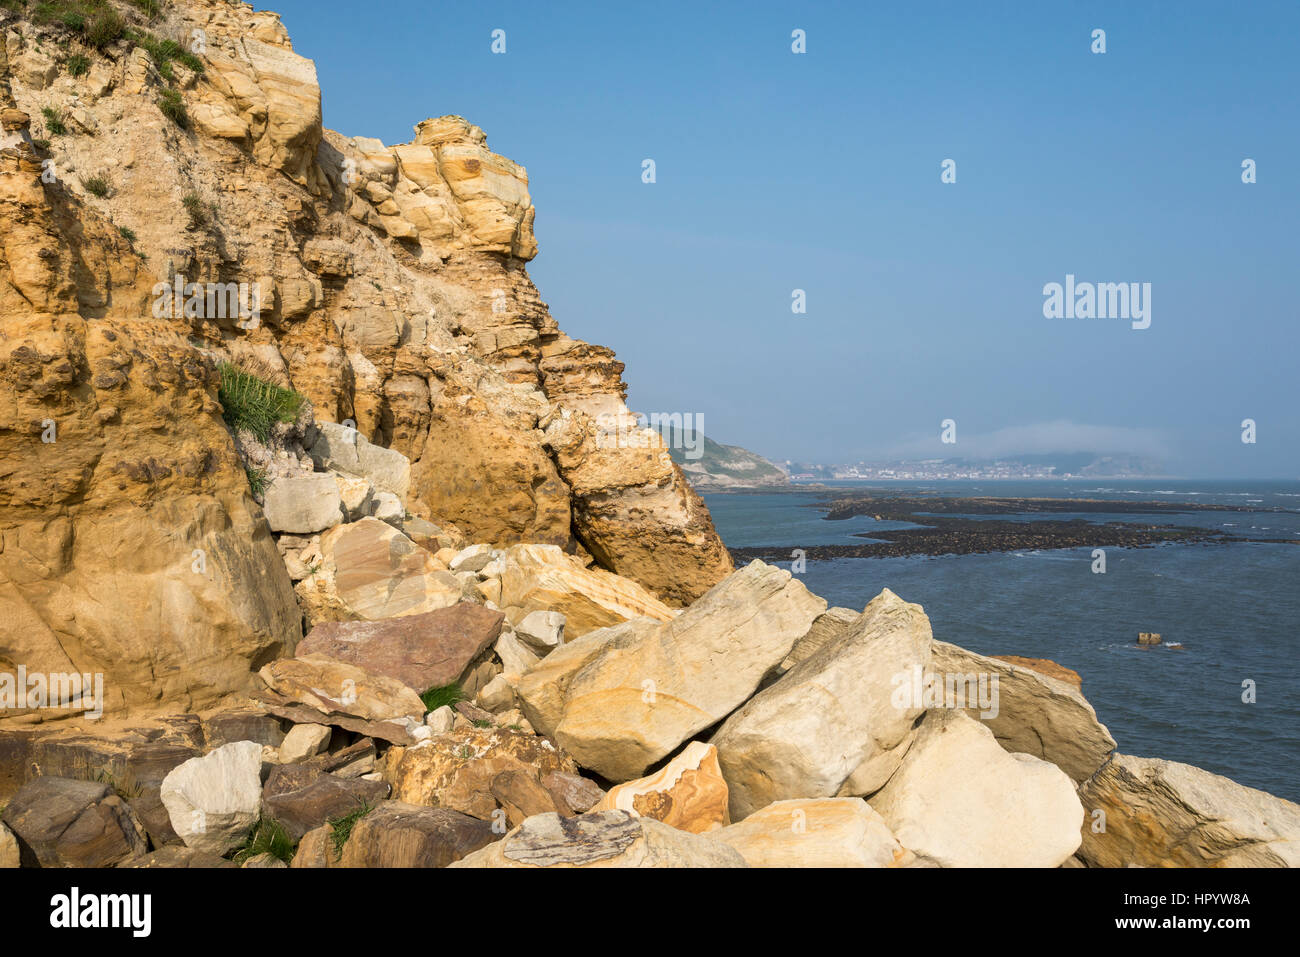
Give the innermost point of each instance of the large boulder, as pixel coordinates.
(835, 712)
(320, 690)
(687, 793)
(1156, 813)
(215, 799)
(544, 578)
(1033, 713)
(601, 839)
(422, 651)
(458, 770)
(818, 832)
(370, 570)
(621, 698)
(303, 504)
(326, 797)
(61, 822)
(959, 800)
(403, 835)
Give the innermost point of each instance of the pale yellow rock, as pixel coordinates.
(331, 686)
(1145, 812)
(544, 578)
(959, 800)
(621, 698)
(370, 570)
(839, 709)
(816, 832)
(687, 793)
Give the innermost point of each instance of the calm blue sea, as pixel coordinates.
(1235, 608)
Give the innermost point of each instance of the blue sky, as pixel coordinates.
(821, 172)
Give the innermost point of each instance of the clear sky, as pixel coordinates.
(821, 171)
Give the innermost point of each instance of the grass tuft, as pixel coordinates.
(252, 403)
(173, 107)
(54, 122)
(127, 233)
(341, 827)
(78, 65)
(267, 836)
(97, 186)
(436, 698)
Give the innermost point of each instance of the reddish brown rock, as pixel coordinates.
(573, 793)
(403, 835)
(60, 822)
(1044, 666)
(521, 796)
(325, 798)
(421, 651)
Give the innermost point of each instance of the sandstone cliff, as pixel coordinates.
(388, 286)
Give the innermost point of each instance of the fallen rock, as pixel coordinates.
(1165, 814)
(338, 448)
(60, 822)
(304, 741)
(303, 504)
(515, 657)
(1033, 713)
(456, 770)
(544, 578)
(521, 795)
(620, 699)
(541, 631)
(403, 835)
(573, 793)
(333, 687)
(471, 558)
(818, 832)
(688, 793)
(178, 855)
(959, 800)
(370, 570)
(497, 696)
(601, 839)
(215, 799)
(317, 849)
(325, 798)
(264, 861)
(807, 734)
(421, 651)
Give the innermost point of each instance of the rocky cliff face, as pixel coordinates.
(386, 283)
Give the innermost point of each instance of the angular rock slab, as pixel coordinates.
(403, 835)
(303, 504)
(325, 798)
(1165, 814)
(816, 832)
(601, 839)
(688, 793)
(959, 800)
(330, 686)
(341, 449)
(9, 854)
(621, 698)
(371, 571)
(60, 822)
(1036, 713)
(457, 770)
(214, 800)
(544, 578)
(836, 711)
(421, 651)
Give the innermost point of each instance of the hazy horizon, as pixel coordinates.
(821, 171)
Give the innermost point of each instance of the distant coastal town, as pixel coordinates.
(1061, 467)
